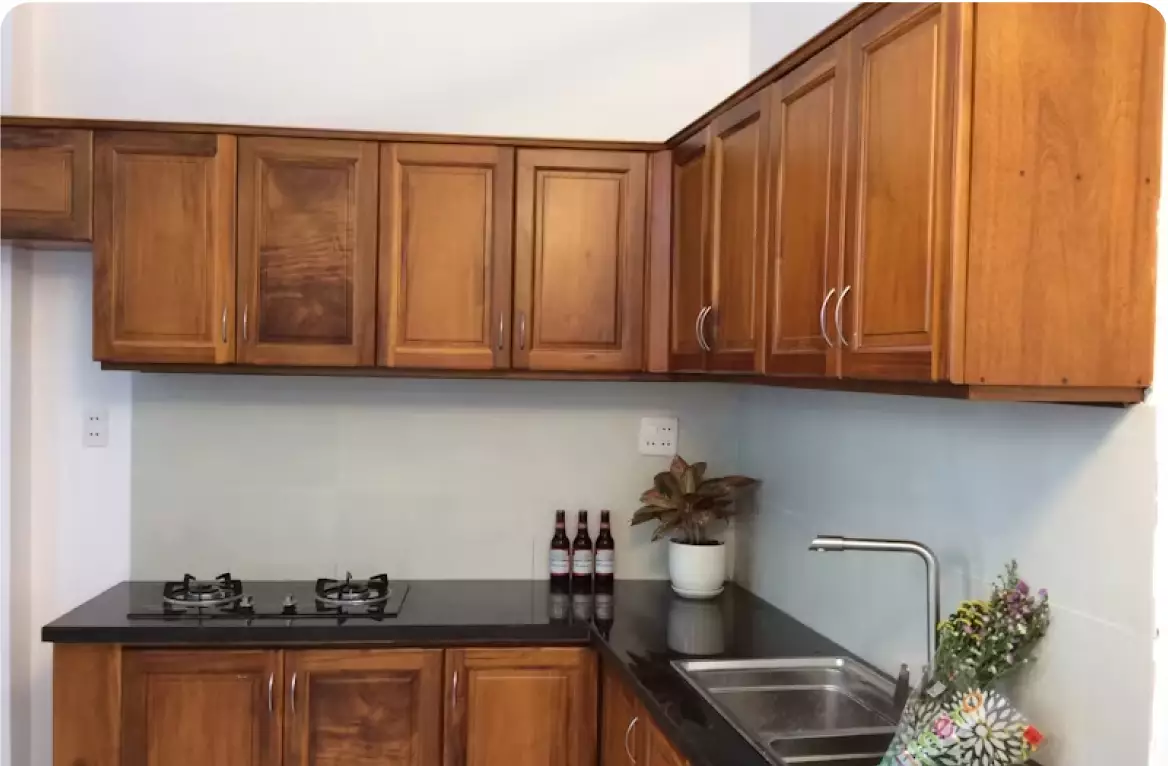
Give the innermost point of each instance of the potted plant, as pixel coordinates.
(687, 507)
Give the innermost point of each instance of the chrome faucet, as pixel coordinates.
(932, 580)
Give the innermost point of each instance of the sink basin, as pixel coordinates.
(807, 710)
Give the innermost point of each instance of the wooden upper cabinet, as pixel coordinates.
(806, 206)
(445, 273)
(307, 251)
(520, 707)
(899, 187)
(364, 707)
(733, 327)
(1064, 189)
(579, 260)
(164, 251)
(691, 183)
(621, 725)
(194, 708)
(46, 183)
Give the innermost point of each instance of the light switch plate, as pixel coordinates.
(658, 436)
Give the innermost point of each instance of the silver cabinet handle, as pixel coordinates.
(292, 696)
(522, 338)
(500, 343)
(454, 692)
(245, 321)
(700, 327)
(628, 750)
(223, 325)
(823, 318)
(271, 681)
(839, 330)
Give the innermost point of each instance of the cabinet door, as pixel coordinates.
(806, 205)
(194, 708)
(307, 251)
(579, 260)
(898, 189)
(445, 273)
(364, 707)
(520, 707)
(163, 250)
(734, 326)
(691, 183)
(46, 186)
(658, 750)
(621, 727)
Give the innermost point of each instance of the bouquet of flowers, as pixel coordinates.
(956, 717)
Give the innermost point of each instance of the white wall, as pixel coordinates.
(442, 479)
(778, 28)
(595, 70)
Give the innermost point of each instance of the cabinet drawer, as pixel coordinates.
(46, 178)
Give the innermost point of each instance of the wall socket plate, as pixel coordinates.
(658, 437)
(95, 425)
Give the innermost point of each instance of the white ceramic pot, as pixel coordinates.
(697, 571)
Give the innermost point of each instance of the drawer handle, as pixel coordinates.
(628, 750)
(823, 318)
(839, 330)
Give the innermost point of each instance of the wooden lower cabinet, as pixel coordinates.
(628, 736)
(199, 707)
(520, 707)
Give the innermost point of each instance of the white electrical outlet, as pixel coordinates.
(96, 427)
(658, 436)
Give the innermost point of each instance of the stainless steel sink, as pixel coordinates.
(808, 710)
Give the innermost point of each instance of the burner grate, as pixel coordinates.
(189, 592)
(335, 594)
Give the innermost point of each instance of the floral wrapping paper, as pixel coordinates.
(943, 726)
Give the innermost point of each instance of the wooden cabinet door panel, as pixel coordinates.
(807, 160)
(734, 325)
(163, 251)
(46, 183)
(194, 708)
(658, 750)
(621, 727)
(307, 251)
(691, 183)
(900, 169)
(520, 707)
(445, 276)
(363, 707)
(579, 260)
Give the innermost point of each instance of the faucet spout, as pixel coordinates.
(835, 543)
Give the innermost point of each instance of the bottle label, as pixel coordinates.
(558, 562)
(604, 562)
(582, 562)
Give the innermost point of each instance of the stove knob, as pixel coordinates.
(289, 604)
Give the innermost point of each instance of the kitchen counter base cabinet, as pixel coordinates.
(520, 707)
(628, 735)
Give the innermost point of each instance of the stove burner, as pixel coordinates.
(220, 592)
(371, 593)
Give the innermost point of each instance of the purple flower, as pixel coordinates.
(944, 727)
(1042, 593)
(1023, 588)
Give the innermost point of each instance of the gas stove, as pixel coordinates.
(227, 598)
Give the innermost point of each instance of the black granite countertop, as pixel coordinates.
(640, 631)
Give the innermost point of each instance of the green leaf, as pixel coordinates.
(654, 498)
(647, 513)
(668, 485)
(698, 470)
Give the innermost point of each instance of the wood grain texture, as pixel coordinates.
(276, 131)
(579, 260)
(87, 701)
(551, 691)
(364, 707)
(307, 251)
(657, 282)
(445, 256)
(620, 734)
(734, 327)
(198, 707)
(900, 179)
(46, 180)
(691, 225)
(164, 248)
(1064, 192)
(806, 216)
(658, 751)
